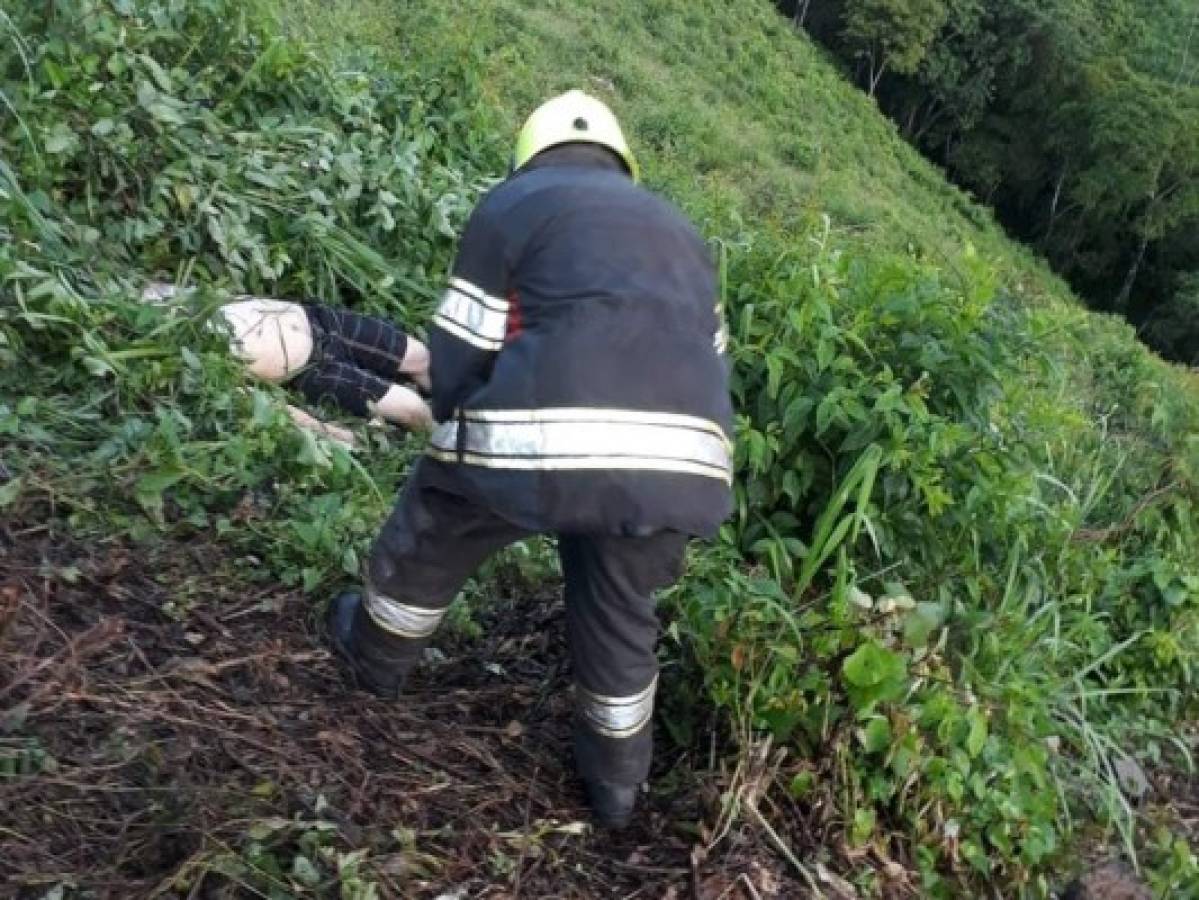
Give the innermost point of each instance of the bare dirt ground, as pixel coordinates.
(156, 755)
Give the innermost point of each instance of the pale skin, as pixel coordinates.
(274, 338)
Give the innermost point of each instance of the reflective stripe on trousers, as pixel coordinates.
(616, 717)
(402, 619)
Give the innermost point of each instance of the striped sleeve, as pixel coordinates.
(471, 322)
(472, 315)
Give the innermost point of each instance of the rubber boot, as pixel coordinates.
(611, 804)
(380, 661)
(612, 770)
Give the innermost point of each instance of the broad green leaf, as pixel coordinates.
(166, 111)
(161, 78)
(97, 366)
(154, 483)
(1175, 594)
(56, 73)
(310, 577)
(304, 871)
(977, 737)
(874, 674)
(825, 351)
(266, 788)
(871, 664)
(826, 412)
(921, 622)
(265, 828)
(876, 736)
(10, 490)
(860, 598)
(864, 821)
(802, 784)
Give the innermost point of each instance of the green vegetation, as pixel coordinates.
(960, 581)
(1078, 119)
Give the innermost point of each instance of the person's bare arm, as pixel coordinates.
(416, 363)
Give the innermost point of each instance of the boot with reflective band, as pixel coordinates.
(380, 661)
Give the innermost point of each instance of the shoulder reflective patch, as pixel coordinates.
(469, 313)
(570, 438)
(616, 717)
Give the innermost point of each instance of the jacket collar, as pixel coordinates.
(577, 155)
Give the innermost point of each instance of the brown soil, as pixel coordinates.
(179, 743)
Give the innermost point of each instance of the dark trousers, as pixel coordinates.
(434, 541)
(355, 360)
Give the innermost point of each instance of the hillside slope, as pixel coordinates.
(735, 113)
(957, 599)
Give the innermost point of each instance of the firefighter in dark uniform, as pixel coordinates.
(580, 389)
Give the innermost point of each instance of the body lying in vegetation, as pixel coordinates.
(327, 354)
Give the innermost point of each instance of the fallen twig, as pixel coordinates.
(99, 636)
(782, 847)
(524, 844)
(1099, 535)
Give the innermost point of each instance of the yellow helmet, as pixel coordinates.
(569, 118)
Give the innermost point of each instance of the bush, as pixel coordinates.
(912, 595)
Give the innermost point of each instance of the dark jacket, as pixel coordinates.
(577, 366)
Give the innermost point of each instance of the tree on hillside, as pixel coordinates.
(800, 14)
(892, 35)
(994, 69)
(1078, 120)
(1140, 165)
(954, 81)
(1173, 327)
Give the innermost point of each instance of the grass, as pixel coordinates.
(759, 128)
